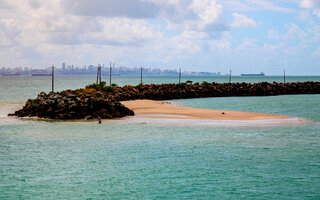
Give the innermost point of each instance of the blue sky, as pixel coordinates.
(246, 36)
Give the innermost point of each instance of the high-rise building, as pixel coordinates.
(90, 68)
(63, 66)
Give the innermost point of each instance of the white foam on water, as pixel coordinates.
(6, 108)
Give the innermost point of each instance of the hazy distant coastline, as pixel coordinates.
(92, 70)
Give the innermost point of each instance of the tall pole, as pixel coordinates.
(284, 76)
(97, 75)
(113, 67)
(110, 73)
(100, 75)
(179, 75)
(230, 77)
(141, 75)
(52, 74)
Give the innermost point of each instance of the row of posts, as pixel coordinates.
(99, 71)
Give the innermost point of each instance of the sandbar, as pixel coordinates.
(164, 109)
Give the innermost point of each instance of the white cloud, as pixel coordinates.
(121, 31)
(48, 23)
(256, 5)
(111, 8)
(294, 32)
(62, 18)
(37, 32)
(312, 4)
(195, 15)
(268, 5)
(208, 11)
(242, 21)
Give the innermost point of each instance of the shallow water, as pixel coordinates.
(122, 159)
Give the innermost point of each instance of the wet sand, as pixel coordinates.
(163, 109)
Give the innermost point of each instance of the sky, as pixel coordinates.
(246, 36)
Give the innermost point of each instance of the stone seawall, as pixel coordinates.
(184, 90)
(105, 103)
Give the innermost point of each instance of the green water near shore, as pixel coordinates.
(120, 160)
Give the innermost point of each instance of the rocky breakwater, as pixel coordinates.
(104, 101)
(205, 89)
(73, 104)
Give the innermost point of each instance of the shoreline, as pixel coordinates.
(166, 110)
(164, 113)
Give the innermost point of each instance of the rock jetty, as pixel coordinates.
(73, 104)
(205, 89)
(103, 101)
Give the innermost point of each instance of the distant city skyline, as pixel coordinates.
(92, 70)
(245, 36)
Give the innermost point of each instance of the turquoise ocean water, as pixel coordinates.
(125, 159)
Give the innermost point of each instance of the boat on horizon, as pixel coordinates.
(260, 74)
(11, 74)
(40, 74)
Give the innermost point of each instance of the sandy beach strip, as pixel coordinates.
(163, 109)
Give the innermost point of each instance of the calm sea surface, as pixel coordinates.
(121, 159)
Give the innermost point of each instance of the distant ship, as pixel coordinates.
(40, 74)
(261, 74)
(14, 74)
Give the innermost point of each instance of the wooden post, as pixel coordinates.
(52, 74)
(284, 76)
(230, 77)
(179, 75)
(141, 75)
(110, 73)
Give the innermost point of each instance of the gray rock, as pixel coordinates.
(42, 94)
(50, 102)
(72, 96)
